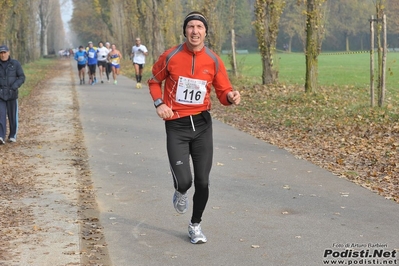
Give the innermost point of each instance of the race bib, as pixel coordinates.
(190, 91)
(81, 58)
(91, 54)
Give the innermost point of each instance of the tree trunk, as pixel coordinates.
(312, 45)
(361, 43)
(268, 13)
(311, 61)
(269, 76)
(157, 37)
(381, 96)
(44, 14)
(233, 53)
(214, 36)
(347, 42)
(372, 61)
(290, 44)
(43, 40)
(379, 54)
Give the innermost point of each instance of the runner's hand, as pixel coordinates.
(234, 97)
(164, 111)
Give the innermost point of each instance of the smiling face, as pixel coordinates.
(195, 34)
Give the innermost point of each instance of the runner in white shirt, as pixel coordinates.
(139, 52)
(102, 54)
(108, 68)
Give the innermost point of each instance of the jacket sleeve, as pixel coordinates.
(20, 76)
(159, 74)
(222, 84)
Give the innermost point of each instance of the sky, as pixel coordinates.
(66, 13)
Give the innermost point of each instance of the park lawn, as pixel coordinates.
(352, 69)
(344, 86)
(344, 81)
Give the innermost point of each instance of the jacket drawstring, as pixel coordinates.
(192, 122)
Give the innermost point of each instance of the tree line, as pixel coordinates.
(31, 28)
(34, 28)
(28, 23)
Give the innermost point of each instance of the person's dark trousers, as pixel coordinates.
(108, 69)
(3, 118)
(12, 113)
(191, 136)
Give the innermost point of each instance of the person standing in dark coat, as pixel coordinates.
(11, 78)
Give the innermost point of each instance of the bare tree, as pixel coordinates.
(212, 9)
(381, 51)
(91, 20)
(268, 13)
(314, 34)
(56, 37)
(119, 27)
(18, 26)
(292, 23)
(32, 52)
(6, 10)
(45, 10)
(157, 37)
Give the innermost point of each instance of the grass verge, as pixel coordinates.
(335, 129)
(36, 73)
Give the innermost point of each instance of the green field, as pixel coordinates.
(351, 70)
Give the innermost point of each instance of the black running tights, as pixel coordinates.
(191, 136)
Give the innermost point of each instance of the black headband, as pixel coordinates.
(195, 16)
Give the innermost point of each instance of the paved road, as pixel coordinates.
(266, 207)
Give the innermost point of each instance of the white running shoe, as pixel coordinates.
(195, 234)
(180, 202)
(2, 141)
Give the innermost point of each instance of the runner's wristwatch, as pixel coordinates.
(158, 102)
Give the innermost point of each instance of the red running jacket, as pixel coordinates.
(188, 78)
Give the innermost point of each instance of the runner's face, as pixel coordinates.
(195, 34)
